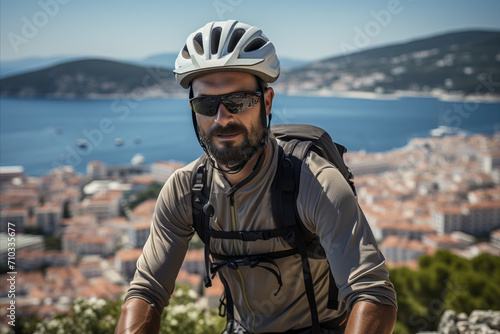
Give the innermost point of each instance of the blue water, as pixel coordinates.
(42, 134)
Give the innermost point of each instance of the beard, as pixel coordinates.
(229, 154)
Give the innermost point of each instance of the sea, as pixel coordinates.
(42, 134)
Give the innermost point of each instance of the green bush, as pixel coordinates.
(99, 316)
(444, 281)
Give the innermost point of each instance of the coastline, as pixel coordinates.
(441, 96)
(401, 94)
(57, 135)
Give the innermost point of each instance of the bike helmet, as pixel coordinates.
(227, 46)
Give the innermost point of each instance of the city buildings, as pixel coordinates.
(434, 193)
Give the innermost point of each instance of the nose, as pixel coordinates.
(223, 116)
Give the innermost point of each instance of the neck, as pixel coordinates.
(234, 179)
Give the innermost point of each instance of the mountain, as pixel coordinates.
(168, 60)
(289, 63)
(92, 78)
(13, 67)
(459, 63)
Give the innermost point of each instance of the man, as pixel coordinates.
(226, 66)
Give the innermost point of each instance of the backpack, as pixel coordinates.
(295, 141)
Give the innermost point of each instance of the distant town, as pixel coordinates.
(66, 235)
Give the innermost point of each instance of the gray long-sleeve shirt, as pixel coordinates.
(327, 208)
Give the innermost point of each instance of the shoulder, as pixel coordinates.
(314, 164)
(321, 175)
(179, 183)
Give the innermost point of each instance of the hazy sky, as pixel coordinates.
(308, 30)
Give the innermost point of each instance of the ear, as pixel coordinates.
(268, 99)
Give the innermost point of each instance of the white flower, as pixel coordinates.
(192, 294)
(88, 313)
(178, 309)
(192, 314)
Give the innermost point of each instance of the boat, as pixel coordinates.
(82, 143)
(443, 130)
(138, 159)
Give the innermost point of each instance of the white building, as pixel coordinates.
(483, 218)
(48, 218)
(34, 259)
(407, 230)
(194, 262)
(97, 170)
(476, 219)
(125, 261)
(23, 241)
(162, 170)
(18, 218)
(447, 220)
(138, 233)
(90, 266)
(104, 204)
(495, 238)
(400, 249)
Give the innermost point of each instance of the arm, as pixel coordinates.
(138, 317)
(369, 317)
(162, 257)
(329, 209)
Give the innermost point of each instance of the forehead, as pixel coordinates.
(223, 82)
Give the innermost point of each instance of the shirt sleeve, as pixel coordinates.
(166, 247)
(328, 208)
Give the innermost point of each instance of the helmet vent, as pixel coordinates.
(235, 38)
(185, 52)
(215, 40)
(198, 43)
(255, 45)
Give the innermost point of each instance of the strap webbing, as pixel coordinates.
(229, 300)
(252, 261)
(289, 214)
(249, 235)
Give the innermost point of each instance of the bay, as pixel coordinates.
(40, 134)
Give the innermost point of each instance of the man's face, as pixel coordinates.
(229, 138)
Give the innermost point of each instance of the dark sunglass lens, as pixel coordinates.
(206, 105)
(239, 102)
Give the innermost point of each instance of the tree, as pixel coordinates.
(444, 281)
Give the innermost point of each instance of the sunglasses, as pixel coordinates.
(235, 102)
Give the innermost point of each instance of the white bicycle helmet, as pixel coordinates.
(227, 46)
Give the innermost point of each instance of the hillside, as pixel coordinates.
(457, 64)
(92, 78)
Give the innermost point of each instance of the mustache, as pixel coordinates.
(219, 130)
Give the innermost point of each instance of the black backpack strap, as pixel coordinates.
(284, 212)
(226, 306)
(249, 235)
(300, 150)
(200, 193)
